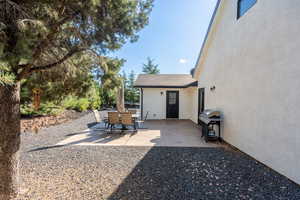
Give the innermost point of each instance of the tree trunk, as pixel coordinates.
(9, 141)
(120, 99)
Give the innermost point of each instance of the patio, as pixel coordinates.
(170, 133)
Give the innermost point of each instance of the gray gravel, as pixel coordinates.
(107, 172)
(53, 134)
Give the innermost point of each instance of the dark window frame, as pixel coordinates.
(239, 11)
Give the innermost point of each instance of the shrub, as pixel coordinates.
(27, 110)
(70, 103)
(82, 104)
(74, 103)
(48, 108)
(94, 101)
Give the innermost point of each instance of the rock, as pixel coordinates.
(37, 123)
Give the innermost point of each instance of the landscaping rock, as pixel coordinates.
(39, 122)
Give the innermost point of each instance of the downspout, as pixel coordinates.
(142, 103)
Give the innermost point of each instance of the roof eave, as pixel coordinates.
(193, 84)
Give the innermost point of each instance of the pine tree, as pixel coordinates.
(150, 67)
(133, 95)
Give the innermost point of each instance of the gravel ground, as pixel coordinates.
(137, 173)
(53, 134)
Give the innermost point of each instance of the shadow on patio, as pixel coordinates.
(172, 133)
(158, 133)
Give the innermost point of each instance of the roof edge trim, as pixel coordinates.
(193, 84)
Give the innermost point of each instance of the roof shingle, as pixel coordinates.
(165, 80)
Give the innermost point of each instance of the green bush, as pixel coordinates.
(95, 104)
(94, 101)
(45, 109)
(27, 110)
(82, 104)
(73, 103)
(70, 103)
(50, 108)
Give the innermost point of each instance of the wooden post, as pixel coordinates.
(36, 98)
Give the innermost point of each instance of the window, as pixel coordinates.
(244, 6)
(172, 98)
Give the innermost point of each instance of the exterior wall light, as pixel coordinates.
(212, 88)
(161, 93)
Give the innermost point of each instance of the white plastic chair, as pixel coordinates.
(140, 123)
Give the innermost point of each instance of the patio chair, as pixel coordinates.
(100, 118)
(97, 116)
(127, 120)
(142, 121)
(113, 119)
(104, 118)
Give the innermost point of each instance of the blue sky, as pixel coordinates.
(173, 37)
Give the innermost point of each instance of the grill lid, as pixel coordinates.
(210, 113)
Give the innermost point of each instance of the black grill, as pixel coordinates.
(208, 119)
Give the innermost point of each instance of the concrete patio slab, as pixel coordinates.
(172, 133)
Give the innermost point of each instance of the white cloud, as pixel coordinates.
(182, 60)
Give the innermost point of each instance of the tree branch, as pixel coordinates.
(44, 43)
(27, 71)
(51, 65)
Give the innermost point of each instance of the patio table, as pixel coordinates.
(134, 116)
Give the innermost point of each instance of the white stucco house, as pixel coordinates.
(167, 95)
(249, 69)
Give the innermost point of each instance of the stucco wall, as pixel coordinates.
(155, 103)
(254, 64)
